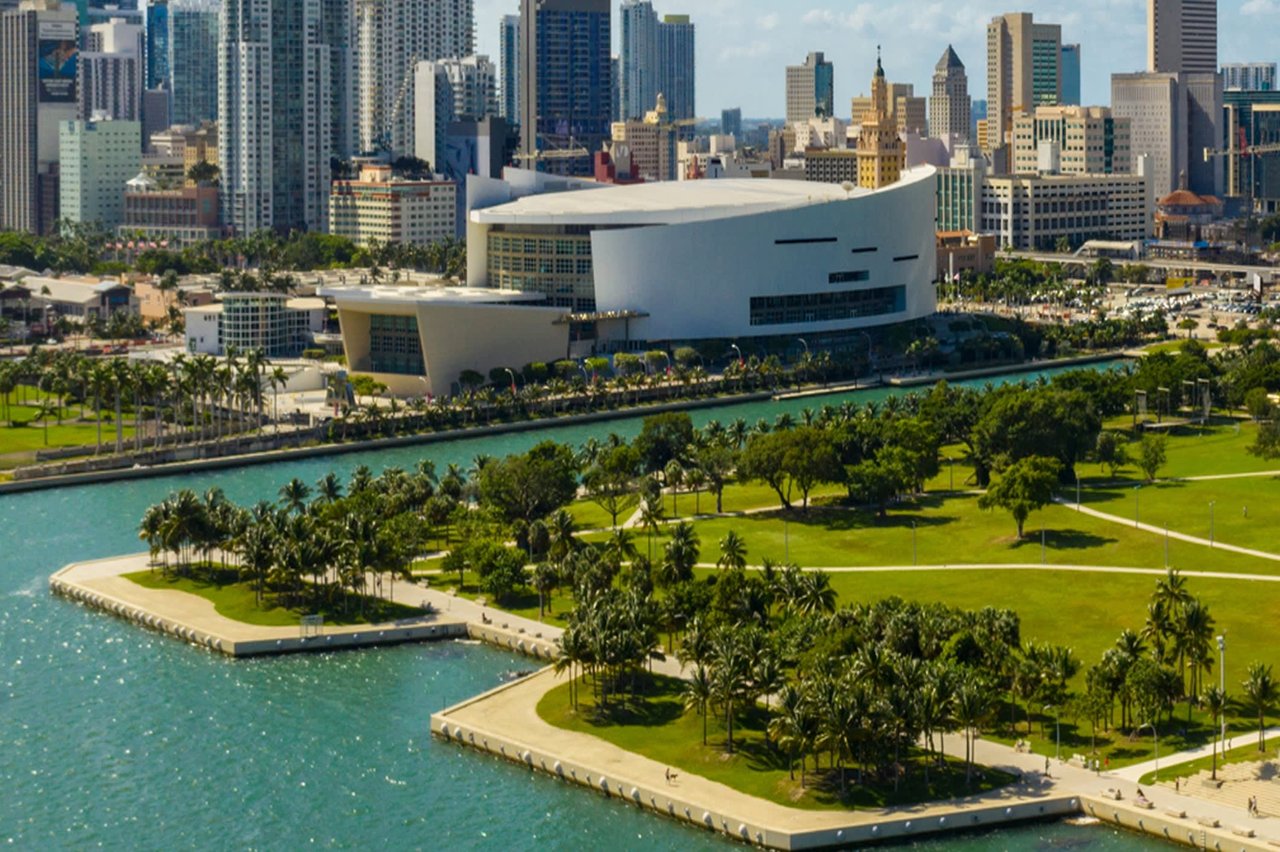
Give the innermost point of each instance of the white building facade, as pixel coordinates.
(392, 37)
(725, 259)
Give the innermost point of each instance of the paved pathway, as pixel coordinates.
(1217, 545)
(1065, 778)
(1028, 566)
(1133, 773)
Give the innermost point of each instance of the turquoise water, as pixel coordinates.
(117, 738)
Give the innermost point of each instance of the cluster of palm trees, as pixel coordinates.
(322, 547)
(860, 687)
(1146, 672)
(198, 396)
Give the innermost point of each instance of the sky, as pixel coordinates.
(744, 45)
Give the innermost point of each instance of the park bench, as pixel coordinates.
(1209, 822)
(1113, 794)
(1176, 814)
(1244, 832)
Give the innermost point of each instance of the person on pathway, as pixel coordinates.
(1046, 767)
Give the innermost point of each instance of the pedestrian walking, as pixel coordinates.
(1046, 767)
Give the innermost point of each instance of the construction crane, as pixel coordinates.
(1238, 148)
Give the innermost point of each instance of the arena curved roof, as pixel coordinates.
(674, 202)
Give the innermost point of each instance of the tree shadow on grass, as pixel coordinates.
(1064, 540)
(1122, 489)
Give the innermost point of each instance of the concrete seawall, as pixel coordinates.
(832, 829)
(189, 618)
(504, 723)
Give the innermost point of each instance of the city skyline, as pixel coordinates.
(744, 47)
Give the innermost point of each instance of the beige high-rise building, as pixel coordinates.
(652, 143)
(949, 106)
(909, 113)
(1182, 36)
(881, 154)
(810, 89)
(1090, 140)
(1024, 70)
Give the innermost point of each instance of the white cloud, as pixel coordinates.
(768, 22)
(1260, 8)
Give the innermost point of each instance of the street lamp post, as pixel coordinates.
(1222, 679)
(803, 343)
(1057, 729)
(512, 374)
(735, 348)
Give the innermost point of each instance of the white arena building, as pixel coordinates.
(671, 263)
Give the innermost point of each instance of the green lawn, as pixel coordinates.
(1086, 613)
(590, 516)
(236, 601)
(660, 729)
(1245, 512)
(954, 530)
(1194, 451)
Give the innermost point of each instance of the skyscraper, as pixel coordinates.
(96, 158)
(193, 50)
(949, 110)
(1024, 70)
(39, 48)
(111, 71)
(157, 44)
(509, 60)
(1070, 75)
(565, 82)
(275, 113)
(392, 36)
(731, 122)
(1182, 36)
(449, 90)
(810, 89)
(658, 57)
(638, 81)
(1176, 107)
(1249, 76)
(676, 61)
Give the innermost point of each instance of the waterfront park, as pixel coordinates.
(842, 611)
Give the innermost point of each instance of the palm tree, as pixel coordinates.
(1260, 693)
(680, 555)
(815, 594)
(545, 578)
(674, 476)
(733, 551)
(652, 517)
(973, 701)
(697, 695)
(294, 495)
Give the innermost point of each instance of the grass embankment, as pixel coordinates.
(660, 729)
(1241, 754)
(21, 432)
(236, 600)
